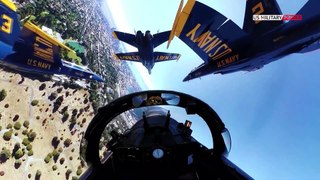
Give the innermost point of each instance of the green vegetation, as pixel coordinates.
(17, 163)
(34, 102)
(75, 178)
(70, 56)
(75, 46)
(60, 150)
(29, 147)
(54, 167)
(32, 136)
(62, 160)
(72, 24)
(79, 171)
(18, 154)
(68, 172)
(47, 159)
(55, 153)
(9, 126)
(30, 153)
(17, 145)
(67, 142)
(65, 115)
(5, 154)
(26, 124)
(73, 120)
(25, 141)
(17, 125)
(38, 173)
(25, 132)
(7, 135)
(3, 94)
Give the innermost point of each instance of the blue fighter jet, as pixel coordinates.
(225, 47)
(32, 50)
(145, 44)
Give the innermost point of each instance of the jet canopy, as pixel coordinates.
(151, 113)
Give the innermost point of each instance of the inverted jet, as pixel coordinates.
(145, 44)
(266, 36)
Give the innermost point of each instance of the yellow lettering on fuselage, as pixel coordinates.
(227, 60)
(211, 45)
(43, 49)
(39, 64)
(6, 26)
(225, 50)
(192, 33)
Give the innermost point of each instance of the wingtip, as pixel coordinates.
(169, 41)
(175, 22)
(178, 57)
(116, 57)
(114, 35)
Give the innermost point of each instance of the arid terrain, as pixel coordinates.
(32, 106)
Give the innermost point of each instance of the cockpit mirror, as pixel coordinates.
(153, 100)
(137, 101)
(171, 99)
(227, 139)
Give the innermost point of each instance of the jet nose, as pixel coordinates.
(187, 78)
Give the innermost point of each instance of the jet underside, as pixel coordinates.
(273, 45)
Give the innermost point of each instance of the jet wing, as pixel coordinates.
(161, 56)
(131, 56)
(125, 37)
(160, 38)
(37, 50)
(207, 32)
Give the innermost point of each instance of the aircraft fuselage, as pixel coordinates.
(291, 37)
(256, 51)
(40, 68)
(146, 49)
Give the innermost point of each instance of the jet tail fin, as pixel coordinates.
(260, 7)
(207, 32)
(160, 38)
(162, 56)
(9, 24)
(311, 8)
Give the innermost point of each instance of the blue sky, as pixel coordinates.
(273, 114)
